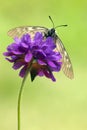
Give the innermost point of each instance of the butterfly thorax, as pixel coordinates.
(51, 33)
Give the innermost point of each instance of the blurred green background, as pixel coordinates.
(46, 105)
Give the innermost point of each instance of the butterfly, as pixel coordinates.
(31, 30)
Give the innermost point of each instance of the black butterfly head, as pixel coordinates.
(50, 33)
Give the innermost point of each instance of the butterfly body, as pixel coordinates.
(31, 30)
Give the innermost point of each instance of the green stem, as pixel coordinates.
(19, 101)
(20, 94)
(19, 97)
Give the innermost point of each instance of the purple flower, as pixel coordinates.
(37, 56)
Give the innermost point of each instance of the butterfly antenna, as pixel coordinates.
(51, 21)
(61, 26)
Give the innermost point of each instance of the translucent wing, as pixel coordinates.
(19, 31)
(67, 65)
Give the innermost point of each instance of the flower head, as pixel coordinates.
(36, 55)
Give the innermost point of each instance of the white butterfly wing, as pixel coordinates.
(19, 31)
(66, 62)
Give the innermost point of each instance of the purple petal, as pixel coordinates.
(17, 65)
(17, 40)
(38, 36)
(28, 57)
(41, 62)
(58, 64)
(50, 42)
(52, 77)
(39, 54)
(26, 38)
(52, 64)
(40, 73)
(23, 71)
(24, 45)
(7, 53)
(49, 75)
(13, 46)
(10, 60)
